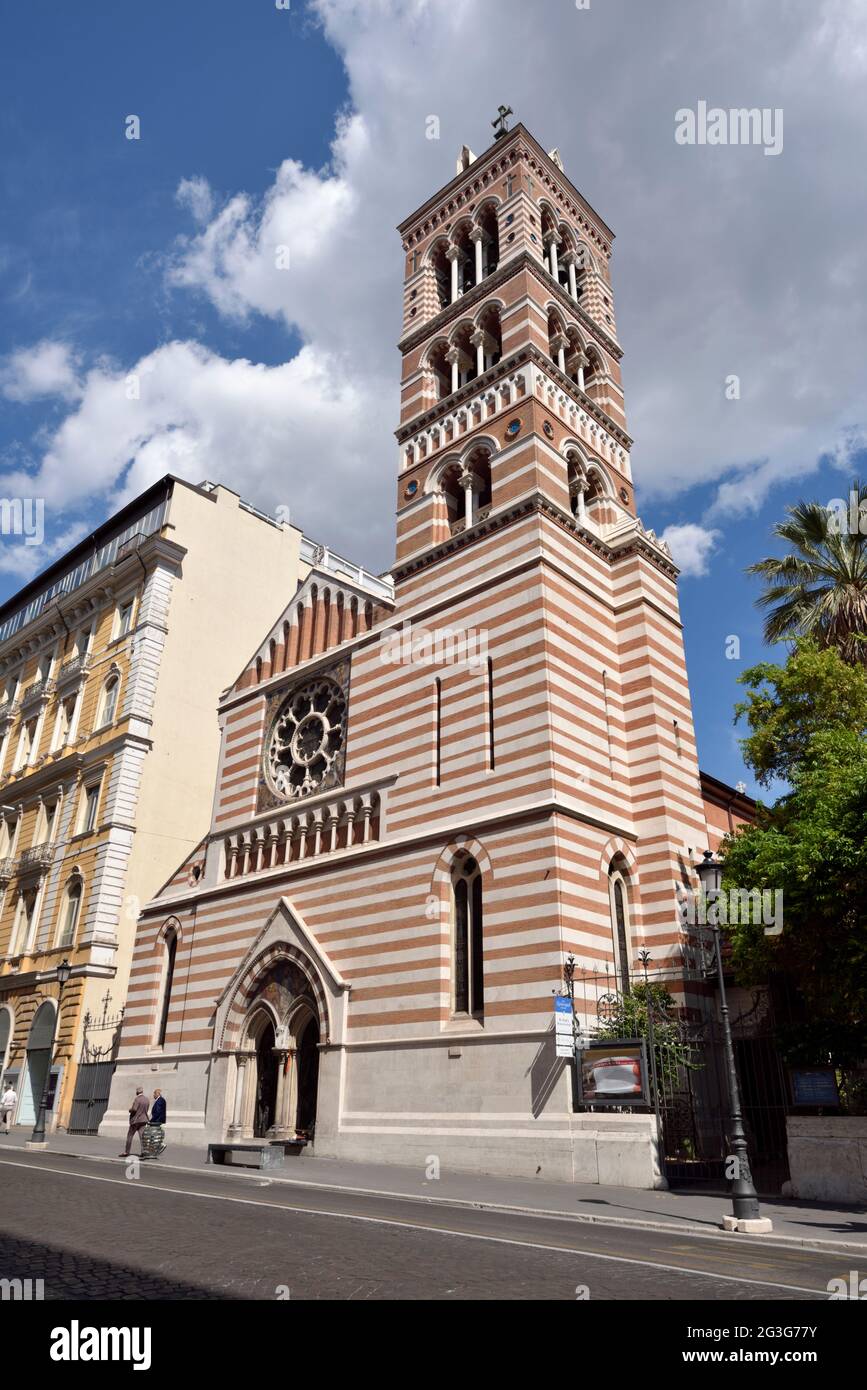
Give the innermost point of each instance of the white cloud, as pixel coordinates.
(46, 369)
(294, 435)
(726, 262)
(691, 547)
(195, 194)
(24, 561)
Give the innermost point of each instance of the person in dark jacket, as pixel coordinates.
(138, 1118)
(153, 1139)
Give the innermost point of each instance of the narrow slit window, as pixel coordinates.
(492, 762)
(438, 726)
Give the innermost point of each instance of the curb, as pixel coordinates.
(692, 1228)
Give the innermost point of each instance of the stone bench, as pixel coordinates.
(249, 1155)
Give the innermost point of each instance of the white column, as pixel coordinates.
(554, 258)
(477, 237)
(573, 280)
(238, 1107)
(454, 356)
(454, 256)
(467, 485)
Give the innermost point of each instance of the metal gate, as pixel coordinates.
(694, 1103)
(90, 1102)
(691, 1093)
(95, 1071)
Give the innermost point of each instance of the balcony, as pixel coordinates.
(130, 546)
(38, 693)
(8, 711)
(73, 669)
(7, 869)
(36, 859)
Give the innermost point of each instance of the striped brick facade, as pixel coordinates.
(518, 710)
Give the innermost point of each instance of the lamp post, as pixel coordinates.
(37, 1139)
(745, 1203)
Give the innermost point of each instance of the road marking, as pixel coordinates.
(418, 1226)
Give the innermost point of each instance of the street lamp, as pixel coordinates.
(745, 1202)
(37, 1138)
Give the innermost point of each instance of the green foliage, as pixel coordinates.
(787, 705)
(626, 1017)
(808, 724)
(819, 589)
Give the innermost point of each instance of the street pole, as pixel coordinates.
(745, 1201)
(37, 1139)
(747, 1214)
(645, 957)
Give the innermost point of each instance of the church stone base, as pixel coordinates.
(400, 1106)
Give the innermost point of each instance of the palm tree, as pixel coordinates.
(819, 589)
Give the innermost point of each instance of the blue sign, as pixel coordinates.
(815, 1086)
(562, 1004)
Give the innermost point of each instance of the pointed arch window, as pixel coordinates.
(170, 946)
(468, 977)
(621, 928)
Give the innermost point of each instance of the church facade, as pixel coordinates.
(436, 785)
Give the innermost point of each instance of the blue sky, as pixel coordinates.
(260, 124)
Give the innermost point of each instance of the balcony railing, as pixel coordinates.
(7, 869)
(40, 690)
(9, 710)
(76, 666)
(129, 546)
(35, 858)
(341, 822)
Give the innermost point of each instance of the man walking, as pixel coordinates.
(8, 1103)
(153, 1142)
(138, 1118)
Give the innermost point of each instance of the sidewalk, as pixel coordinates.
(795, 1223)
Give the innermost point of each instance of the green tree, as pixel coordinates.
(626, 1017)
(819, 589)
(807, 723)
(786, 706)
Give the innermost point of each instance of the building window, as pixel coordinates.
(171, 948)
(24, 927)
(467, 939)
(124, 618)
(45, 822)
(108, 705)
(90, 801)
(621, 930)
(8, 837)
(65, 721)
(26, 743)
(71, 910)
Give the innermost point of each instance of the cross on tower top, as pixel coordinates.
(499, 124)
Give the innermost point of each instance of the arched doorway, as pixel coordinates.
(5, 1037)
(39, 1044)
(265, 1113)
(308, 1079)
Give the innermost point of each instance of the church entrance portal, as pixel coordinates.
(266, 1082)
(308, 1079)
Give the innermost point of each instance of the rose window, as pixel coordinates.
(306, 738)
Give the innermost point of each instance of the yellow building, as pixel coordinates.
(111, 665)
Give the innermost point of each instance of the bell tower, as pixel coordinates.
(510, 381)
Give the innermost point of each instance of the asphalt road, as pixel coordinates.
(90, 1232)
